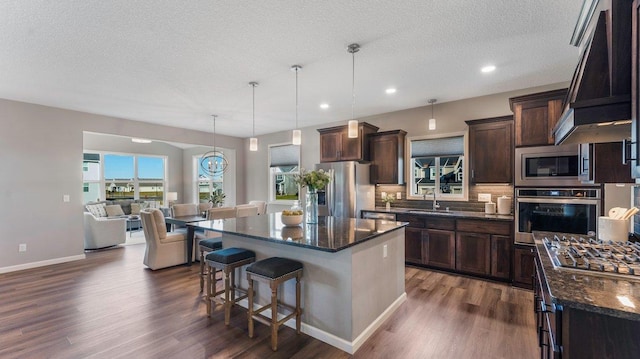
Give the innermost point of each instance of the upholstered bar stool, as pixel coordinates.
(274, 271)
(227, 260)
(207, 245)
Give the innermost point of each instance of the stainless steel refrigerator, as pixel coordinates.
(348, 192)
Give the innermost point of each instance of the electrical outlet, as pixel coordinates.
(398, 195)
(384, 251)
(22, 247)
(484, 197)
(65, 198)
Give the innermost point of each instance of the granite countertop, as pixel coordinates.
(590, 291)
(444, 213)
(330, 234)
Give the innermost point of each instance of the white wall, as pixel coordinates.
(41, 160)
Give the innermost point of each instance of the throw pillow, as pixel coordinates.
(114, 210)
(98, 210)
(137, 207)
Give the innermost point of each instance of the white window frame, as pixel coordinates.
(272, 176)
(409, 173)
(135, 181)
(196, 176)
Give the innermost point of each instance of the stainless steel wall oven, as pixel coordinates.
(566, 210)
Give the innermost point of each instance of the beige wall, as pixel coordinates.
(40, 156)
(450, 118)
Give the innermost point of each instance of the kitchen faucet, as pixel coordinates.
(435, 203)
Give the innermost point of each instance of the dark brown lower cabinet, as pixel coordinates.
(565, 332)
(501, 256)
(413, 245)
(439, 248)
(473, 253)
(523, 266)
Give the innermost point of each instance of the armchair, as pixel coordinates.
(103, 232)
(163, 249)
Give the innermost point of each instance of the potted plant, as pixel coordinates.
(217, 197)
(388, 199)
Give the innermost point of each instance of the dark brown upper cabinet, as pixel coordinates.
(535, 117)
(387, 157)
(602, 163)
(335, 144)
(491, 150)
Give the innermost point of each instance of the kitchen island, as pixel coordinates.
(353, 270)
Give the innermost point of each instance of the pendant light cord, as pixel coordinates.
(296, 99)
(253, 106)
(353, 84)
(214, 133)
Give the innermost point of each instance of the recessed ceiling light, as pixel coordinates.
(390, 90)
(324, 106)
(489, 68)
(140, 140)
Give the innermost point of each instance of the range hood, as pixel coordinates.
(598, 105)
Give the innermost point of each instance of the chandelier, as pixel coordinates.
(214, 163)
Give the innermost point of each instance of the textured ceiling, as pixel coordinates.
(176, 62)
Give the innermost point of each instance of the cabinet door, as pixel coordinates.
(439, 248)
(330, 143)
(501, 256)
(635, 90)
(491, 152)
(535, 121)
(413, 245)
(473, 253)
(385, 160)
(607, 164)
(585, 172)
(351, 147)
(523, 266)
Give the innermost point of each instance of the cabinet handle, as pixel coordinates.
(584, 168)
(626, 151)
(473, 174)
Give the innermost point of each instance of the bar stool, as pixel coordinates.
(274, 271)
(207, 245)
(226, 260)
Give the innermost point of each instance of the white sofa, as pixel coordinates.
(103, 232)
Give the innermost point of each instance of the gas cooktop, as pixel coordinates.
(588, 254)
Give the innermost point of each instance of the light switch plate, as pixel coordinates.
(65, 198)
(398, 195)
(484, 197)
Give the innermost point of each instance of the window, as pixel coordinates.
(437, 166)
(91, 177)
(205, 183)
(123, 176)
(283, 166)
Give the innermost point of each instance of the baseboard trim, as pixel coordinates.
(342, 344)
(41, 263)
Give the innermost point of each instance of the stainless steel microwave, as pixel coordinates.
(547, 166)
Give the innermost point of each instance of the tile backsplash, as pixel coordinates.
(471, 205)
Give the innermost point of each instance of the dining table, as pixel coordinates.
(182, 221)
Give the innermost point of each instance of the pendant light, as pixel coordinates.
(432, 120)
(253, 141)
(214, 163)
(353, 123)
(296, 138)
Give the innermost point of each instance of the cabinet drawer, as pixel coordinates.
(414, 220)
(480, 226)
(448, 224)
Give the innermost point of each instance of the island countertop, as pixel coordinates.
(330, 234)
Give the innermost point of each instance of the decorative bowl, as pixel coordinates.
(291, 220)
(292, 233)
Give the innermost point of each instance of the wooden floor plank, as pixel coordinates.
(110, 306)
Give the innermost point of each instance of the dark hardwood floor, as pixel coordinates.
(110, 306)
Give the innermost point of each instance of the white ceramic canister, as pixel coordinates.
(504, 205)
(490, 208)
